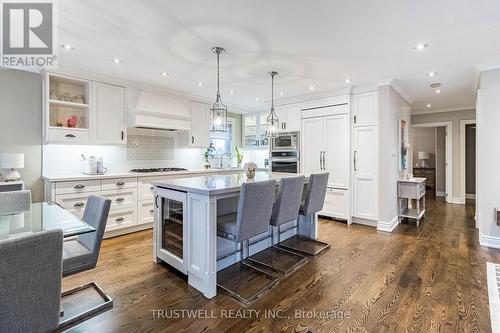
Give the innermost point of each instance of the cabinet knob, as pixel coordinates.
(120, 199)
(151, 211)
(79, 187)
(79, 204)
(119, 219)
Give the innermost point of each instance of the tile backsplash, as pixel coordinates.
(143, 147)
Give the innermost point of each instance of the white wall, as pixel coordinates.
(392, 107)
(454, 117)
(21, 123)
(488, 157)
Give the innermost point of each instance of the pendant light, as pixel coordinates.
(218, 112)
(272, 119)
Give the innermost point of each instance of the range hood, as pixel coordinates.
(162, 112)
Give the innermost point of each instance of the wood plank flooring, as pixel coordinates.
(426, 279)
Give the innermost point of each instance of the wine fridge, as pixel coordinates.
(170, 230)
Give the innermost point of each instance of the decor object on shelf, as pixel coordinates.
(218, 112)
(250, 169)
(424, 156)
(272, 119)
(13, 162)
(73, 121)
(208, 154)
(404, 144)
(239, 157)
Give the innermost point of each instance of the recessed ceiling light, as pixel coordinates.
(431, 74)
(347, 80)
(311, 88)
(117, 60)
(282, 93)
(421, 46)
(68, 47)
(200, 84)
(438, 91)
(428, 105)
(231, 92)
(257, 99)
(165, 73)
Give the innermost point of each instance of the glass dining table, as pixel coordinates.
(40, 217)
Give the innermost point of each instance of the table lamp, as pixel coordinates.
(423, 156)
(13, 162)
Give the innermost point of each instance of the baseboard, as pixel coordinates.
(370, 223)
(128, 230)
(388, 226)
(489, 241)
(470, 196)
(456, 200)
(440, 194)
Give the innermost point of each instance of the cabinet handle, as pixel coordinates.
(79, 204)
(120, 183)
(79, 187)
(119, 219)
(119, 199)
(156, 202)
(152, 188)
(355, 154)
(320, 161)
(192, 139)
(324, 160)
(70, 135)
(355, 119)
(151, 211)
(285, 125)
(123, 135)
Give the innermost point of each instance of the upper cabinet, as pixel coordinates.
(254, 132)
(365, 109)
(289, 116)
(198, 136)
(82, 111)
(108, 125)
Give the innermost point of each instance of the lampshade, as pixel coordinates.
(422, 155)
(11, 161)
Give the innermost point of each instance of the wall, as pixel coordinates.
(440, 161)
(423, 139)
(21, 123)
(454, 117)
(488, 157)
(392, 107)
(470, 159)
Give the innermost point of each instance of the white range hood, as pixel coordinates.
(163, 112)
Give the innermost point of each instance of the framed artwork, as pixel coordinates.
(404, 145)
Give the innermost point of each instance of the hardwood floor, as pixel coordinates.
(427, 279)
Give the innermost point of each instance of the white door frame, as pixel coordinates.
(449, 155)
(463, 124)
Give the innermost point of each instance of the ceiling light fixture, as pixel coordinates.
(257, 99)
(347, 80)
(117, 60)
(272, 119)
(218, 112)
(431, 74)
(421, 46)
(438, 91)
(231, 92)
(428, 105)
(68, 47)
(165, 74)
(200, 84)
(311, 88)
(282, 94)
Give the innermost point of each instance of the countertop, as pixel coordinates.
(412, 180)
(218, 184)
(128, 174)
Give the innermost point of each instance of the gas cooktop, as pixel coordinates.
(144, 170)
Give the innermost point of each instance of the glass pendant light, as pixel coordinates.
(272, 119)
(218, 112)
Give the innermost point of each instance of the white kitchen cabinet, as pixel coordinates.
(289, 117)
(336, 204)
(254, 130)
(199, 134)
(365, 177)
(365, 109)
(312, 145)
(108, 116)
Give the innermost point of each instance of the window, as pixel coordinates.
(223, 142)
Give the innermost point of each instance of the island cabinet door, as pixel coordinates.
(170, 228)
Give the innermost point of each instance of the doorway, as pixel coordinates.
(467, 160)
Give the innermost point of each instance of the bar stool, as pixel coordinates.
(313, 203)
(255, 206)
(286, 209)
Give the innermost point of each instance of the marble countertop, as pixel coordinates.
(218, 184)
(412, 180)
(128, 174)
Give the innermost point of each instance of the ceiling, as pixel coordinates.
(310, 43)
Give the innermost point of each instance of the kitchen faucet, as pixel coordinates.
(221, 157)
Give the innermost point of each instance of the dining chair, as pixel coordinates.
(30, 276)
(15, 201)
(81, 254)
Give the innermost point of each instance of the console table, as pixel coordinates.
(411, 189)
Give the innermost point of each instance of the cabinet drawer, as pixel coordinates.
(78, 186)
(336, 204)
(146, 189)
(146, 211)
(119, 183)
(67, 135)
(125, 198)
(75, 203)
(121, 219)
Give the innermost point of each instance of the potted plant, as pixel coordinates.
(239, 157)
(208, 154)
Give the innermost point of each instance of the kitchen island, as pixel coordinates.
(185, 225)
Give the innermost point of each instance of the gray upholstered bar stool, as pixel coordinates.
(255, 207)
(312, 204)
(15, 201)
(286, 209)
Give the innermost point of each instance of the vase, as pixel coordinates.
(251, 174)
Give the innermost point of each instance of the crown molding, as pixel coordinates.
(449, 109)
(487, 67)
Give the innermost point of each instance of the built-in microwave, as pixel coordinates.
(288, 162)
(286, 141)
